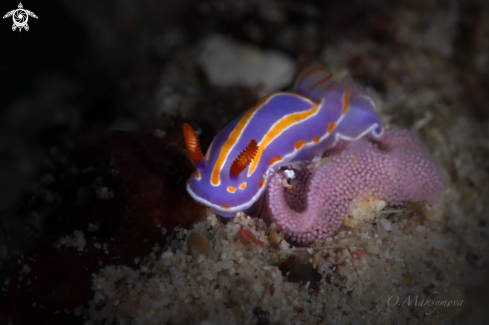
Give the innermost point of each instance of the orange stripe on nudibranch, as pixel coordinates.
(231, 189)
(188, 182)
(320, 81)
(233, 138)
(331, 127)
(262, 182)
(197, 175)
(316, 139)
(244, 158)
(192, 144)
(309, 72)
(275, 131)
(346, 103)
(299, 144)
(225, 206)
(274, 160)
(243, 186)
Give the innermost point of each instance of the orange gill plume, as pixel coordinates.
(192, 144)
(244, 158)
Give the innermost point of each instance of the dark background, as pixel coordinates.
(52, 44)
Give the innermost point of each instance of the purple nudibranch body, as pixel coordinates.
(287, 127)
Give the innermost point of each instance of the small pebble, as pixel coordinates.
(274, 237)
(197, 244)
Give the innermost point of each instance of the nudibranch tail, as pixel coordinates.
(193, 145)
(244, 158)
(314, 82)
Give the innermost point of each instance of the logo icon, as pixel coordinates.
(20, 17)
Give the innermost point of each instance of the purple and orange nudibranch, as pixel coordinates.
(284, 127)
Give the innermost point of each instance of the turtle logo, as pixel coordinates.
(20, 17)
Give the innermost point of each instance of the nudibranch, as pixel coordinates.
(284, 127)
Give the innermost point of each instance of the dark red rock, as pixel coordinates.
(146, 176)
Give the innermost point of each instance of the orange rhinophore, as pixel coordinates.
(244, 158)
(192, 144)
